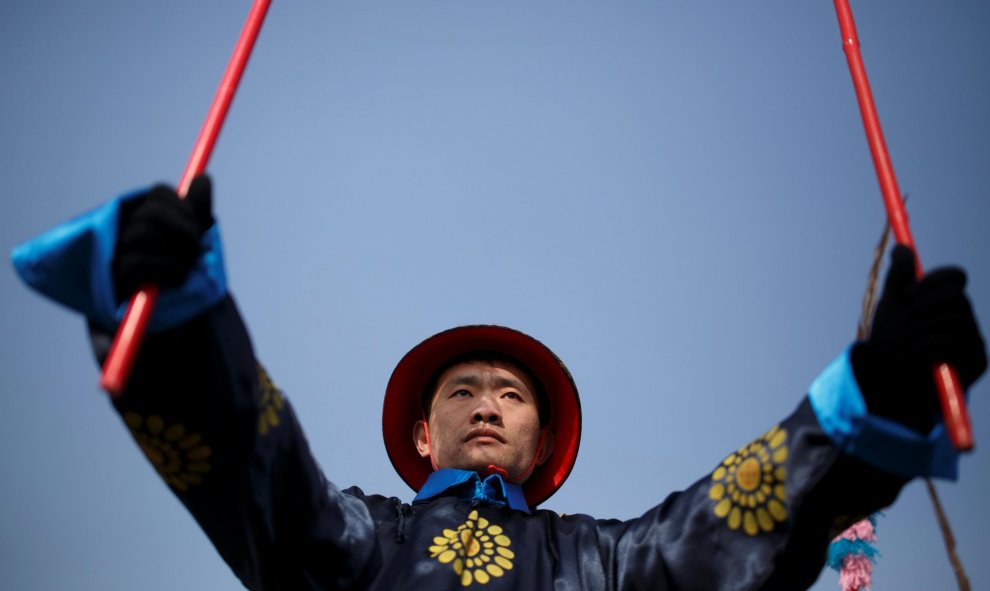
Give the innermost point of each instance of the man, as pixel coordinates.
(484, 423)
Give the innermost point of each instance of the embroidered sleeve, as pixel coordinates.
(762, 519)
(224, 438)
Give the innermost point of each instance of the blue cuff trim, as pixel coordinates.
(72, 264)
(841, 411)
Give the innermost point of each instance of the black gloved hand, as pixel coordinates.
(917, 325)
(158, 238)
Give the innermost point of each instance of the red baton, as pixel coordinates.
(949, 389)
(126, 342)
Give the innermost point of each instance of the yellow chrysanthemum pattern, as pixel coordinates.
(749, 486)
(478, 550)
(270, 404)
(178, 456)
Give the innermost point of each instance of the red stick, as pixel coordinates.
(123, 351)
(950, 390)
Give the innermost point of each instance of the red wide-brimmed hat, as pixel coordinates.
(404, 396)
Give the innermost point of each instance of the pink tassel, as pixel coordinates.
(852, 553)
(856, 573)
(861, 530)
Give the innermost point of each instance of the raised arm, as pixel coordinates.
(205, 413)
(763, 518)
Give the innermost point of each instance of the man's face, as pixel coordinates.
(484, 414)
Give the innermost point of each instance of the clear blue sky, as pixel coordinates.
(676, 197)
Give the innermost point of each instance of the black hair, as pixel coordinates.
(490, 358)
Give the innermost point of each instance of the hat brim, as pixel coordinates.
(403, 401)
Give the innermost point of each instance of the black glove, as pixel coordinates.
(917, 325)
(158, 237)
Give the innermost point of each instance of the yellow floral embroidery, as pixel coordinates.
(478, 550)
(270, 403)
(178, 456)
(748, 487)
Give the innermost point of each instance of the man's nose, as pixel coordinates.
(487, 411)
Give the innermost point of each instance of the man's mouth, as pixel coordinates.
(484, 434)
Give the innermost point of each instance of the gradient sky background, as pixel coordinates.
(676, 197)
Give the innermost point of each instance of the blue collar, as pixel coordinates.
(468, 486)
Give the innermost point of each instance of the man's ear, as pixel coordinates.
(421, 439)
(546, 447)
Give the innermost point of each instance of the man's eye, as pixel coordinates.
(460, 394)
(514, 395)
